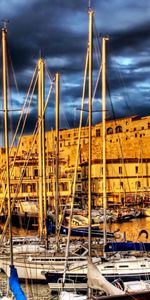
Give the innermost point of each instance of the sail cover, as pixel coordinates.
(98, 282)
(127, 246)
(15, 285)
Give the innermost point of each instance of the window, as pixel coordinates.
(24, 172)
(120, 170)
(35, 172)
(142, 128)
(137, 184)
(148, 125)
(109, 130)
(134, 129)
(135, 134)
(64, 186)
(33, 187)
(79, 187)
(68, 134)
(121, 184)
(61, 136)
(24, 188)
(136, 169)
(118, 129)
(98, 132)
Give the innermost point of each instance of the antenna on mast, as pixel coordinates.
(40, 53)
(5, 22)
(89, 4)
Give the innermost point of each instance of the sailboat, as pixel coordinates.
(13, 279)
(128, 267)
(33, 265)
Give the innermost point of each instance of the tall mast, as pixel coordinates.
(104, 39)
(43, 156)
(57, 96)
(5, 100)
(41, 124)
(90, 46)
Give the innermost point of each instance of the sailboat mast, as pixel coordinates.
(40, 118)
(5, 100)
(104, 39)
(90, 46)
(57, 96)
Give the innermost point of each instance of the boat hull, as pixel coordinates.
(78, 231)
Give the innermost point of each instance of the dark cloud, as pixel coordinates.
(58, 30)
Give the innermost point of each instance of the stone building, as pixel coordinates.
(127, 154)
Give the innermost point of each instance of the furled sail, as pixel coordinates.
(98, 282)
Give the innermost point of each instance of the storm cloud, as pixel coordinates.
(58, 31)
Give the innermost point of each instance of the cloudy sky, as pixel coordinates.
(58, 30)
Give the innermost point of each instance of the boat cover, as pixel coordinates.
(15, 285)
(127, 246)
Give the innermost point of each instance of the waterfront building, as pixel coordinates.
(127, 155)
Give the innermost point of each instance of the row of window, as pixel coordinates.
(120, 170)
(117, 130)
(109, 130)
(137, 184)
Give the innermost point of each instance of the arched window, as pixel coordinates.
(118, 129)
(109, 130)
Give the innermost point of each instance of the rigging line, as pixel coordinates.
(122, 81)
(20, 181)
(76, 165)
(97, 82)
(121, 148)
(48, 73)
(23, 109)
(124, 87)
(95, 88)
(63, 112)
(25, 166)
(97, 45)
(13, 72)
(25, 118)
(48, 96)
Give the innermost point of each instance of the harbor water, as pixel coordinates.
(40, 291)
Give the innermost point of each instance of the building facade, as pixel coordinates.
(127, 157)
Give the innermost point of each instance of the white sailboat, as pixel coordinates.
(129, 267)
(33, 265)
(13, 278)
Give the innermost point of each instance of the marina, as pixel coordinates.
(74, 210)
(34, 290)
